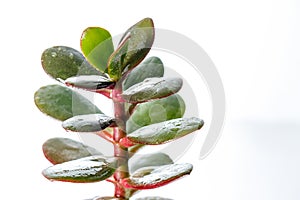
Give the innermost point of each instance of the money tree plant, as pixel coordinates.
(147, 111)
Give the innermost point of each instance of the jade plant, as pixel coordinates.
(147, 111)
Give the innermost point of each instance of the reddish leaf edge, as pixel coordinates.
(127, 182)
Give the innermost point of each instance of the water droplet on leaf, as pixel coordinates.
(53, 54)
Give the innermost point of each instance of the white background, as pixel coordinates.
(255, 46)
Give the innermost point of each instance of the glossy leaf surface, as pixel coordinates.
(164, 132)
(89, 82)
(151, 67)
(156, 111)
(84, 170)
(97, 46)
(62, 103)
(153, 177)
(61, 62)
(88, 123)
(133, 48)
(139, 161)
(59, 150)
(152, 88)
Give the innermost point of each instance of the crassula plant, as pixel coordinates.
(147, 111)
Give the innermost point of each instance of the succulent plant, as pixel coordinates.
(135, 88)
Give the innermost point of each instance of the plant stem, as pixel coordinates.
(121, 153)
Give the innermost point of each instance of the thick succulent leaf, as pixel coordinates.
(139, 161)
(153, 177)
(97, 46)
(164, 132)
(89, 82)
(59, 150)
(133, 48)
(152, 88)
(151, 67)
(88, 123)
(62, 103)
(116, 62)
(84, 170)
(156, 111)
(61, 62)
(152, 198)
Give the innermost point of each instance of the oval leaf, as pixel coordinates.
(62, 103)
(61, 62)
(97, 46)
(59, 150)
(151, 67)
(153, 177)
(84, 170)
(133, 48)
(156, 111)
(139, 161)
(89, 82)
(164, 132)
(88, 123)
(152, 88)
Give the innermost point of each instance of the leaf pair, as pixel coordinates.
(76, 162)
(97, 46)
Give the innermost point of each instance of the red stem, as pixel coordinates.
(120, 152)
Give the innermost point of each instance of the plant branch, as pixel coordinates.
(120, 152)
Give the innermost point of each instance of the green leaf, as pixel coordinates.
(151, 67)
(164, 132)
(59, 150)
(156, 111)
(61, 62)
(84, 170)
(133, 48)
(97, 46)
(62, 103)
(89, 82)
(153, 177)
(152, 88)
(88, 123)
(139, 161)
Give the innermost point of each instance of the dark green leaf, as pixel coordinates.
(59, 150)
(97, 46)
(164, 132)
(153, 177)
(89, 82)
(88, 123)
(139, 161)
(62, 62)
(156, 111)
(84, 170)
(133, 48)
(62, 103)
(151, 67)
(152, 88)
